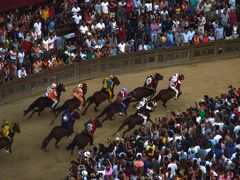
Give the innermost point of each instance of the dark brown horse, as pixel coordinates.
(136, 119)
(58, 132)
(70, 103)
(44, 102)
(141, 92)
(165, 95)
(7, 143)
(100, 96)
(82, 139)
(114, 108)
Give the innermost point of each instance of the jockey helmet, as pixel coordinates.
(124, 89)
(5, 122)
(80, 85)
(111, 76)
(54, 85)
(144, 100)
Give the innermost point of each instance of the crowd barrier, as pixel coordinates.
(84, 70)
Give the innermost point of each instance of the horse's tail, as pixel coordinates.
(30, 108)
(47, 140)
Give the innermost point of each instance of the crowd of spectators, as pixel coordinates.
(201, 143)
(61, 32)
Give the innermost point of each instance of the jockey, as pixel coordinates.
(107, 85)
(89, 129)
(67, 121)
(5, 129)
(173, 82)
(122, 95)
(78, 93)
(143, 110)
(51, 93)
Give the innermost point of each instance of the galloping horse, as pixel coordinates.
(136, 119)
(70, 103)
(166, 94)
(141, 92)
(100, 96)
(82, 139)
(58, 132)
(7, 143)
(44, 102)
(114, 108)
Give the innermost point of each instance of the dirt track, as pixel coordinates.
(28, 162)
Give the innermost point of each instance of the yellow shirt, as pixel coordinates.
(45, 14)
(153, 147)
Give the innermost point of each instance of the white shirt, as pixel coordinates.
(21, 56)
(190, 35)
(50, 43)
(121, 47)
(104, 6)
(173, 167)
(75, 10)
(45, 44)
(22, 74)
(83, 29)
(185, 37)
(77, 19)
(148, 6)
(38, 28)
(100, 26)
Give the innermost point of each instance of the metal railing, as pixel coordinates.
(84, 70)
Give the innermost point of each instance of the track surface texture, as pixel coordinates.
(28, 162)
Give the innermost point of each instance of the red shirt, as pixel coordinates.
(232, 18)
(122, 33)
(205, 39)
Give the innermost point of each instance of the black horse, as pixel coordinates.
(82, 139)
(58, 132)
(7, 143)
(114, 108)
(165, 95)
(100, 96)
(136, 119)
(70, 103)
(141, 92)
(44, 102)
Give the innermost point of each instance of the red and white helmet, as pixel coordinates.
(54, 85)
(111, 76)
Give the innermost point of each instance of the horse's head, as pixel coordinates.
(16, 128)
(158, 77)
(61, 88)
(76, 115)
(181, 77)
(97, 123)
(116, 80)
(84, 88)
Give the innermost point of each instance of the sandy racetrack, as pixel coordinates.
(28, 162)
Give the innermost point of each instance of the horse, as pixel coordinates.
(100, 96)
(114, 108)
(7, 143)
(166, 94)
(44, 102)
(141, 92)
(82, 139)
(72, 103)
(58, 132)
(136, 119)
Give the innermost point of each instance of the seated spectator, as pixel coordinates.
(205, 38)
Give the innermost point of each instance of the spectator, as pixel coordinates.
(22, 72)
(219, 32)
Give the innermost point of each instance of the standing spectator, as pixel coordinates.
(178, 37)
(224, 18)
(191, 34)
(207, 8)
(154, 29)
(105, 8)
(38, 28)
(77, 18)
(22, 72)
(21, 56)
(205, 38)
(219, 32)
(112, 8)
(185, 37)
(75, 9)
(121, 47)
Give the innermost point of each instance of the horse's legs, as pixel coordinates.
(95, 108)
(56, 143)
(164, 104)
(104, 119)
(128, 129)
(73, 146)
(85, 110)
(35, 110)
